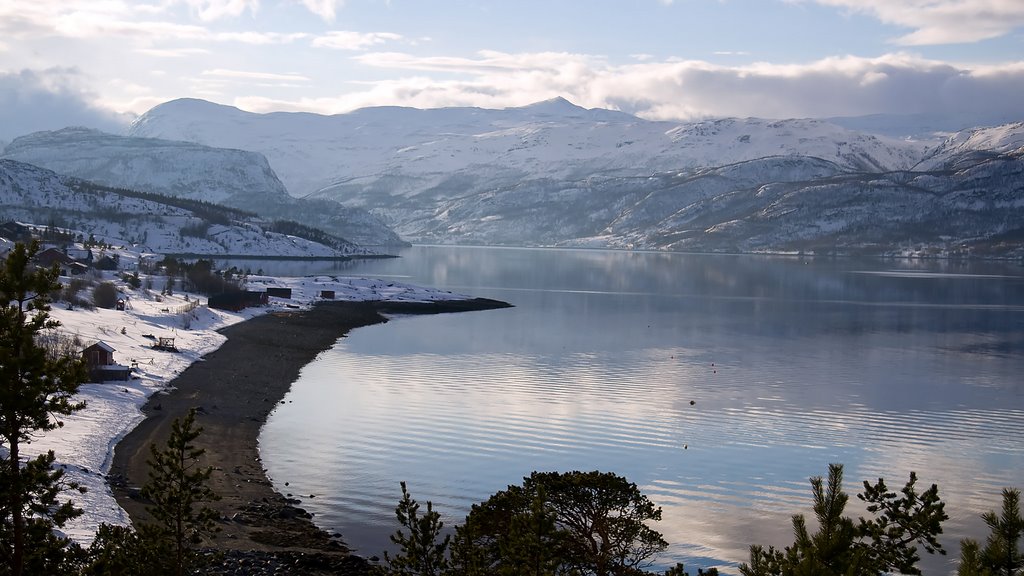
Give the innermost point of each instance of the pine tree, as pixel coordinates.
(35, 391)
(177, 487)
(883, 544)
(560, 523)
(1002, 555)
(420, 553)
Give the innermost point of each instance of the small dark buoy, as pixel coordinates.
(692, 402)
(285, 483)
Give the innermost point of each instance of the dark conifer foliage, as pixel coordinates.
(178, 488)
(885, 543)
(36, 390)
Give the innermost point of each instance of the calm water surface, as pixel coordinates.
(718, 384)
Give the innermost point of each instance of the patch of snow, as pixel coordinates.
(84, 445)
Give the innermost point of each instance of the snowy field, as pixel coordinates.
(84, 445)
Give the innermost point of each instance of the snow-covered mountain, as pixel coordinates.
(232, 177)
(449, 151)
(181, 169)
(42, 197)
(557, 174)
(970, 145)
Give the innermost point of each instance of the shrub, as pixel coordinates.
(72, 293)
(105, 295)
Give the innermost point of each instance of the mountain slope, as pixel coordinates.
(557, 174)
(35, 195)
(180, 169)
(236, 178)
(406, 152)
(970, 146)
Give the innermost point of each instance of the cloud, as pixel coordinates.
(487, 62)
(841, 86)
(346, 40)
(942, 21)
(34, 100)
(683, 90)
(140, 23)
(209, 10)
(172, 52)
(326, 9)
(44, 18)
(246, 75)
(258, 38)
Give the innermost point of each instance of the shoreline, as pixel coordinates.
(234, 389)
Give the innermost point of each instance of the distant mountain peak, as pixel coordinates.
(555, 106)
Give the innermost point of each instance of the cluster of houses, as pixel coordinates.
(71, 261)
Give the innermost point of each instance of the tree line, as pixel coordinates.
(558, 524)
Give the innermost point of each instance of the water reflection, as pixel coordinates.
(790, 364)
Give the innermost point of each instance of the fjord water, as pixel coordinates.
(718, 384)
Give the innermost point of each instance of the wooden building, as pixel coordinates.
(236, 301)
(16, 232)
(279, 292)
(99, 359)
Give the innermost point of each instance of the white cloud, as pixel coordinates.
(115, 19)
(258, 38)
(326, 9)
(489, 61)
(209, 10)
(248, 75)
(33, 100)
(683, 90)
(942, 21)
(43, 18)
(172, 52)
(347, 40)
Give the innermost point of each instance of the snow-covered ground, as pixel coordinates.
(84, 445)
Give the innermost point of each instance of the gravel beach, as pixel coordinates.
(234, 389)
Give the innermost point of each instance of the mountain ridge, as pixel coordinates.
(150, 222)
(556, 174)
(229, 176)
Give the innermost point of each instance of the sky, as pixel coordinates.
(100, 63)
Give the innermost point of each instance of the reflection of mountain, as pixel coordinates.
(557, 174)
(790, 297)
(793, 363)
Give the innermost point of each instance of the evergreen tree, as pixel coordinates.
(177, 487)
(886, 543)
(1002, 554)
(971, 563)
(901, 522)
(35, 391)
(580, 523)
(118, 551)
(420, 552)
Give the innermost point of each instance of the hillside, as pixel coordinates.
(149, 222)
(232, 177)
(557, 174)
(404, 152)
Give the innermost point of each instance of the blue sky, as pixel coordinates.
(101, 62)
